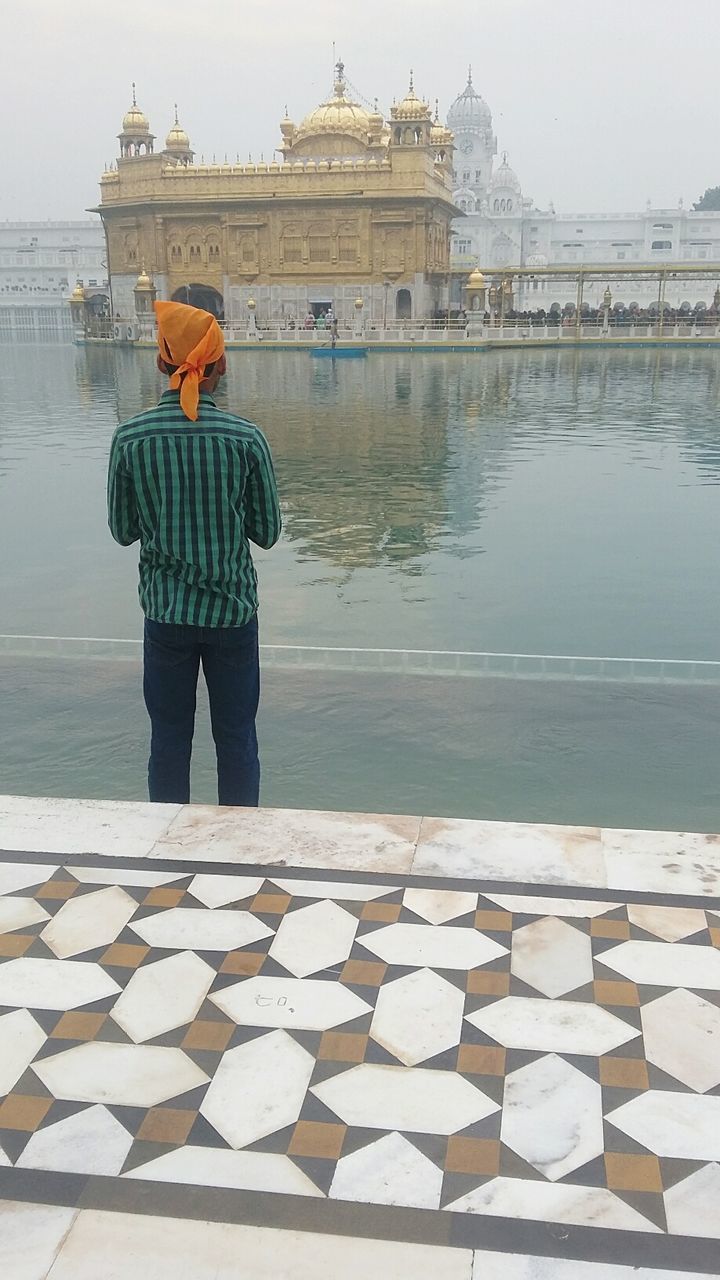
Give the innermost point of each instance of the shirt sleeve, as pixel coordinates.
(263, 522)
(123, 516)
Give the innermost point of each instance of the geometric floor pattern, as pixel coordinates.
(479, 1056)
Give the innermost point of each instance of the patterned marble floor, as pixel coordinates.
(529, 1071)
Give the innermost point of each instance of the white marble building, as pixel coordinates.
(40, 264)
(502, 227)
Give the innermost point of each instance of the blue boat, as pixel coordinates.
(341, 353)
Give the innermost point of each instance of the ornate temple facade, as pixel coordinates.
(357, 209)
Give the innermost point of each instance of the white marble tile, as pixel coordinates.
(116, 1246)
(215, 1167)
(314, 938)
(682, 1037)
(662, 861)
(437, 906)
(113, 828)
(91, 920)
(693, 1205)
(218, 891)
(511, 851)
(684, 1126)
(526, 904)
(20, 1039)
(669, 923)
(300, 1003)
(30, 1237)
(418, 1016)
(415, 1099)
(196, 929)
(21, 875)
(258, 1088)
(163, 995)
(90, 1141)
(125, 876)
(435, 946)
(293, 838)
(127, 1075)
(559, 1026)
(342, 890)
(389, 1171)
(552, 1116)
(665, 964)
(521, 1266)
(552, 1202)
(53, 984)
(552, 956)
(18, 913)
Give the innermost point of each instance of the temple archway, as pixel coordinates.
(202, 296)
(403, 305)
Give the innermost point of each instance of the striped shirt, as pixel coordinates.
(195, 494)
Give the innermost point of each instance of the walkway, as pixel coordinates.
(283, 1044)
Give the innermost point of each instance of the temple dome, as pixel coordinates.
(469, 110)
(135, 121)
(339, 114)
(505, 177)
(411, 107)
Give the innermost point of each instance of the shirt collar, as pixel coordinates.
(205, 397)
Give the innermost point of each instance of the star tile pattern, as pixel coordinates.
(437, 1049)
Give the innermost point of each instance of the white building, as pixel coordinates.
(503, 228)
(40, 264)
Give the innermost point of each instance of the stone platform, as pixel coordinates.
(285, 1044)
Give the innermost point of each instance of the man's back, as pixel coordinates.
(195, 494)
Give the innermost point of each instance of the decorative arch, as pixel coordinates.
(202, 296)
(403, 305)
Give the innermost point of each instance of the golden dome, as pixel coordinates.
(339, 114)
(78, 293)
(411, 107)
(476, 279)
(177, 139)
(135, 121)
(144, 283)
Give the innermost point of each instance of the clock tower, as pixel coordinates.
(470, 120)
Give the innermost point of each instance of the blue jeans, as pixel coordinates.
(229, 656)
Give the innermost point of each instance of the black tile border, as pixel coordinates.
(191, 1202)
(398, 879)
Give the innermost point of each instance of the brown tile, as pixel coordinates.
(715, 936)
(208, 1035)
(501, 920)
(165, 1124)
(600, 928)
(632, 1173)
(481, 1060)
(246, 963)
(386, 911)
(125, 955)
(19, 1111)
(342, 1046)
(15, 944)
(315, 1139)
(624, 1073)
(616, 993)
(164, 897)
(364, 973)
(78, 1026)
(472, 1155)
(482, 982)
(59, 889)
(271, 903)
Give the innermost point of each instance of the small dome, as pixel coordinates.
(476, 279)
(469, 110)
(411, 107)
(143, 283)
(177, 139)
(78, 293)
(135, 121)
(505, 177)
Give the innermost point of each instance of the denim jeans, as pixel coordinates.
(229, 656)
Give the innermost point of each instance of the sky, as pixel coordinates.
(601, 105)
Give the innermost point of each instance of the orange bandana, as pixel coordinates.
(191, 339)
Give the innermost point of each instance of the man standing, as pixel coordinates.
(195, 486)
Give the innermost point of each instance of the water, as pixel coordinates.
(543, 502)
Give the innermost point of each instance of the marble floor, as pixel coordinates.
(286, 1044)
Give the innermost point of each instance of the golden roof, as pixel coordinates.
(144, 283)
(177, 139)
(135, 120)
(476, 279)
(411, 107)
(78, 293)
(339, 114)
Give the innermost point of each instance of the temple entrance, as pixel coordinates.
(202, 296)
(403, 305)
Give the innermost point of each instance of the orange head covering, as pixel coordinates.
(190, 339)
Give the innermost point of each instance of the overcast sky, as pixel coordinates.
(601, 104)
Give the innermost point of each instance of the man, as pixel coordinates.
(195, 486)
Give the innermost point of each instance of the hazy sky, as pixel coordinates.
(601, 104)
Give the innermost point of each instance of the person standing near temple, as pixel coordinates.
(195, 486)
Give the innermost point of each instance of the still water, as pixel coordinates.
(542, 502)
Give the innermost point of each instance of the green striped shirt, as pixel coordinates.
(195, 494)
